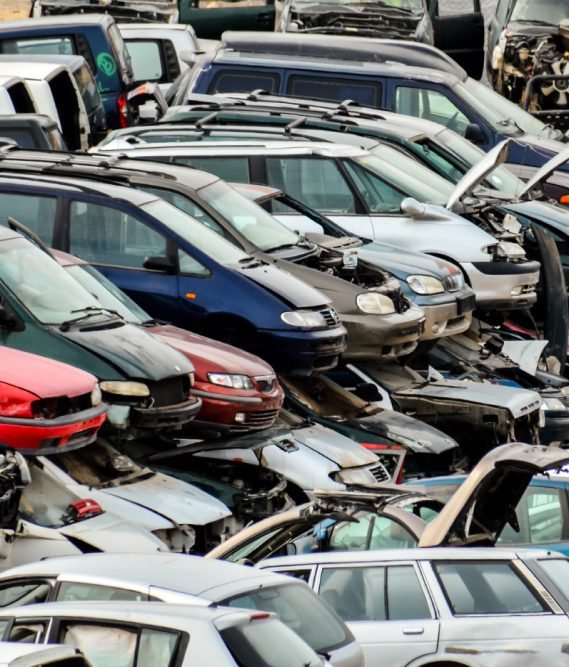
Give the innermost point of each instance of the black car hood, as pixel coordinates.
(284, 285)
(131, 350)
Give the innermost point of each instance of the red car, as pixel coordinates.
(46, 406)
(239, 391)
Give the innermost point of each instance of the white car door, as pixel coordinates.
(385, 606)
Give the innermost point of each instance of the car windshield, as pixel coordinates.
(42, 286)
(188, 228)
(253, 222)
(107, 293)
(300, 609)
(413, 5)
(500, 112)
(540, 11)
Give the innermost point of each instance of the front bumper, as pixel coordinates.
(52, 436)
(168, 417)
(494, 282)
(383, 337)
(301, 352)
(448, 319)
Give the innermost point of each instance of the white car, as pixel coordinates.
(148, 634)
(176, 578)
(29, 655)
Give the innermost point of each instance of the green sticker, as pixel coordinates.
(106, 63)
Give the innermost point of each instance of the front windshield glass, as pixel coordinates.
(500, 112)
(248, 218)
(44, 287)
(107, 293)
(410, 5)
(208, 242)
(540, 11)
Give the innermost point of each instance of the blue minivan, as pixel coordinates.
(180, 271)
(331, 68)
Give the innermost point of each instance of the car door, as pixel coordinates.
(458, 26)
(386, 606)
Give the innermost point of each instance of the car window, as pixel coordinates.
(558, 571)
(316, 182)
(106, 235)
(432, 105)
(457, 7)
(190, 266)
(156, 648)
(540, 517)
(120, 53)
(231, 169)
(379, 196)
(232, 81)
(36, 212)
(334, 89)
(62, 45)
(69, 591)
(297, 573)
(299, 608)
(27, 632)
(19, 593)
(146, 60)
(88, 87)
(374, 593)
(474, 587)
(370, 531)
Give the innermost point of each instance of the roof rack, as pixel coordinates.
(343, 47)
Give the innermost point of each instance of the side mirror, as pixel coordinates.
(7, 318)
(162, 264)
(368, 391)
(412, 208)
(474, 134)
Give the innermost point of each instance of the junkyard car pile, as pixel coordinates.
(291, 300)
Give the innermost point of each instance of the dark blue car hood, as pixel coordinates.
(553, 216)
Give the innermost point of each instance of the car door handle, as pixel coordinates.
(413, 631)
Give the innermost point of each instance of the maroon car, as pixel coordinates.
(239, 391)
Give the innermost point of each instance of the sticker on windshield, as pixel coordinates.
(106, 63)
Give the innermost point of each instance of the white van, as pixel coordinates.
(56, 94)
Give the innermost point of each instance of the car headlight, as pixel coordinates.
(554, 404)
(231, 381)
(96, 396)
(305, 319)
(425, 284)
(192, 378)
(375, 304)
(355, 476)
(126, 388)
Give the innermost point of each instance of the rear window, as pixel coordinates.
(229, 81)
(301, 610)
(334, 89)
(268, 643)
(88, 88)
(32, 45)
(146, 60)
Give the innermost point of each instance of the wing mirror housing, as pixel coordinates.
(412, 208)
(161, 264)
(368, 392)
(474, 133)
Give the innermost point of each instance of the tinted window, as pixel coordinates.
(432, 105)
(298, 607)
(475, 587)
(314, 181)
(70, 591)
(232, 169)
(106, 235)
(243, 82)
(32, 45)
(146, 60)
(37, 213)
(19, 594)
(335, 89)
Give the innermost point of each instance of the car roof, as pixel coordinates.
(72, 61)
(28, 69)
(37, 24)
(342, 47)
(413, 554)
(10, 651)
(170, 615)
(176, 572)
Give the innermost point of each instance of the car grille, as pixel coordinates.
(261, 418)
(266, 383)
(453, 283)
(170, 391)
(331, 317)
(380, 473)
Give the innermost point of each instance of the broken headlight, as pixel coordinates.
(506, 250)
(125, 388)
(373, 303)
(305, 319)
(230, 381)
(425, 284)
(355, 476)
(96, 395)
(554, 404)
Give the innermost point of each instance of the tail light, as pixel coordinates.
(122, 104)
(80, 509)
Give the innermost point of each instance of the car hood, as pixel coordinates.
(179, 501)
(208, 355)
(284, 285)
(542, 174)
(392, 258)
(107, 532)
(476, 174)
(131, 350)
(486, 501)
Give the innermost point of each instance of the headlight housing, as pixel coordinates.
(125, 388)
(373, 303)
(554, 404)
(506, 250)
(355, 476)
(230, 381)
(96, 395)
(304, 319)
(425, 284)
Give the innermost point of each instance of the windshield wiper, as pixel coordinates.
(89, 311)
(250, 262)
(283, 246)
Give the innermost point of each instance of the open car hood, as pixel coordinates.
(478, 173)
(486, 501)
(545, 172)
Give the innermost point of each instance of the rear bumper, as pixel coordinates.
(497, 284)
(51, 436)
